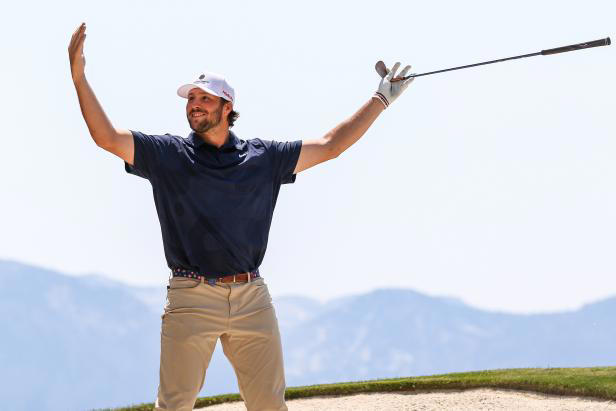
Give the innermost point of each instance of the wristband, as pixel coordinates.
(382, 99)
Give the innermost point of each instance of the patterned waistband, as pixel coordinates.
(210, 278)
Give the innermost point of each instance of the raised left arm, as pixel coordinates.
(345, 134)
(341, 137)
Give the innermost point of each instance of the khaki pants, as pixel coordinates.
(242, 316)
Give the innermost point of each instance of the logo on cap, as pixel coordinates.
(227, 94)
(201, 81)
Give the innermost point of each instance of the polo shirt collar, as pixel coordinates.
(232, 142)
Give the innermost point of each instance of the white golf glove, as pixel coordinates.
(390, 90)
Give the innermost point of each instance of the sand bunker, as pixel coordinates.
(481, 399)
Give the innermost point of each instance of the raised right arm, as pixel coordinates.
(117, 141)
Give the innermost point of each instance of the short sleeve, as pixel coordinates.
(149, 154)
(284, 158)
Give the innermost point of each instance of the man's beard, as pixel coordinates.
(207, 125)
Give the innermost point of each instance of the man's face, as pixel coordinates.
(203, 110)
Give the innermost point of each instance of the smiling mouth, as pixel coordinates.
(196, 114)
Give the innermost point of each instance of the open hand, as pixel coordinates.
(391, 86)
(75, 53)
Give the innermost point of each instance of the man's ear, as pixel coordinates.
(227, 107)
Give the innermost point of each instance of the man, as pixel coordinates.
(215, 195)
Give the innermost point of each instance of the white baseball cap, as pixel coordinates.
(211, 83)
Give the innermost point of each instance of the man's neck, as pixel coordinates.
(216, 136)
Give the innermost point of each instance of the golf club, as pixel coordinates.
(382, 69)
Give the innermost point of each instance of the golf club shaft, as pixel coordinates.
(596, 43)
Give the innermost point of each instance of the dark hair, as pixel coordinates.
(232, 116)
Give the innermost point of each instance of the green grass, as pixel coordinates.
(597, 382)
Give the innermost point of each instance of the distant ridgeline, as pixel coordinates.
(88, 342)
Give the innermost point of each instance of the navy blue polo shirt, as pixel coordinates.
(215, 205)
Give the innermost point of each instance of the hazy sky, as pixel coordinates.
(495, 184)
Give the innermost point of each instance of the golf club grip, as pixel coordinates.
(596, 43)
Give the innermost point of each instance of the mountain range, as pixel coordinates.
(87, 342)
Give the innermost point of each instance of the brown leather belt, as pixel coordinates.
(236, 278)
